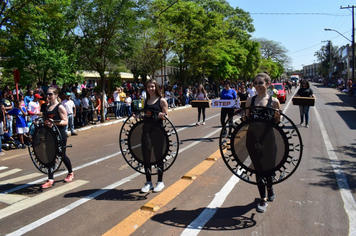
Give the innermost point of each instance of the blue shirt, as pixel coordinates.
(20, 118)
(228, 94)
(28, 99)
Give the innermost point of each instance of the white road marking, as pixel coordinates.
(12, 198)
(10, 172)
(3, 167)
(195, 227)
(29, 202)
(21, 178)
(344, 189)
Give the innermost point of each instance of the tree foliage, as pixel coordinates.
(39, 46)
(325, 55)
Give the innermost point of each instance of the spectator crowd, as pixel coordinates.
(84, 106)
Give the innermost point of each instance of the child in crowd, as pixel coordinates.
(21, 123)
(128, 101)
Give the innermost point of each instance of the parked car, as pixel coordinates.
(282, 95)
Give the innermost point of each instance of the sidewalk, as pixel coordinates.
(112, 119)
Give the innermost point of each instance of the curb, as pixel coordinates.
(117, 121)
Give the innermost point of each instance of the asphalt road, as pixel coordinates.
(105, 198)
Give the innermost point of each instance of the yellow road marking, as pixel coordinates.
(139, 217)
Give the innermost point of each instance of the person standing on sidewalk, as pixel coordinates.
(34, 107)
(305, 91)
(71, 112)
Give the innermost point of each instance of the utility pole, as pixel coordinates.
(353, 40)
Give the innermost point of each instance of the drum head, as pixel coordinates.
(45, 145)
(149, 142)
(260, 147)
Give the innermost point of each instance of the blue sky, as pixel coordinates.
(302, 31)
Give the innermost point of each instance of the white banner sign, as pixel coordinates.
(226, 103)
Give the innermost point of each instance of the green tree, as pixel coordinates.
(39, 44)
(325, 55)
(106, 31)
(206, 38)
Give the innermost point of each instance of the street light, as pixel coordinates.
(353, 48)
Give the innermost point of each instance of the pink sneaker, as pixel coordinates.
(49, 183)
(70, 177)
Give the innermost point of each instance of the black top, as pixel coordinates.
(54, 114)
(152, 111)
(305, 92)
(243, 96)
(267, 114)
(155, 108)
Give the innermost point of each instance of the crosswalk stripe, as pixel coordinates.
(29, 202)
(12, 198)
(10, 172)
(21, 178)
(3, 167)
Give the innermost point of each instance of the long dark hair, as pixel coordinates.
(157, 89)
(306, 82)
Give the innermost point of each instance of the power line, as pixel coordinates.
(295, 13)
(315, 44)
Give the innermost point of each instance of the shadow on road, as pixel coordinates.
(231, 218)
(328, 175)
(112, 195)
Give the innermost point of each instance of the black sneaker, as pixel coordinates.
(262, 206)
(270, 195)
(23, 146)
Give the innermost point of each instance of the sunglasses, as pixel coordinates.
(260, 83)
(49, 94)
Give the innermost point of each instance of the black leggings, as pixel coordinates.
(263, 184)
(65, 158)
(200, 109)
(226, 112)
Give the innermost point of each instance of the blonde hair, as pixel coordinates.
(55, 91)
(265, 77)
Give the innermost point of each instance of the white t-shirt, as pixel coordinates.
(35, 108)
(128, 101)
(68, 105)
(252, 92)
(143, 95)
(116, 96)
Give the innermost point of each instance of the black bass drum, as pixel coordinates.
(146, 140)
(260, 146)
(46, 145)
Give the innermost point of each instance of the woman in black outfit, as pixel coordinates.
(263, 156)
(305, 91)
(56, 112)
(154, 104)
